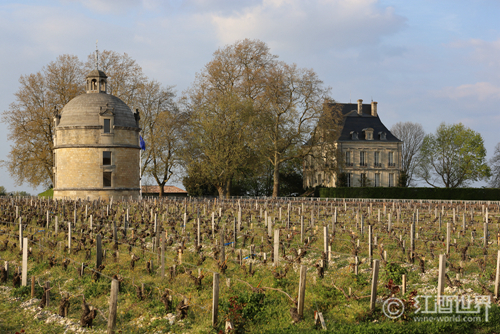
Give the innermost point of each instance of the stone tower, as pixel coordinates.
(96, 145)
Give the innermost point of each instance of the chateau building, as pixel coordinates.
(96, 145)
(368, 154)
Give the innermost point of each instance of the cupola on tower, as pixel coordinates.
(96, 145)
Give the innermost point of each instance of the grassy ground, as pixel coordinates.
(242, 301)
(13, 320)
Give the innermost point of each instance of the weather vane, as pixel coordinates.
(96, 56)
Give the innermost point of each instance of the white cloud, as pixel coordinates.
(110, 6)
(296, 25)
(480, 91)
(482, 55)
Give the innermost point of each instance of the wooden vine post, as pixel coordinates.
(24, 281)
(412, 241)
(20, 234)
(276, 246)
(32, 286)
(485, 236)
(113, 302)
(373, 295)
(302, 291)
(441, 277)
(163, 256)
(301, 229)
(370, 243)
(325, 239)
(497, 277)
(215, 299)
(98, 251)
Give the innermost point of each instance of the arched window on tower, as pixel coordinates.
(103, 86)
(93, 85)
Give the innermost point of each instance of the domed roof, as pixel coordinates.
(97, 73)
(85, 110)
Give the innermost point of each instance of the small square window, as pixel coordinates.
(106, 158)
(106, 179)
(107, 125)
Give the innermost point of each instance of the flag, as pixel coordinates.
(142, 144)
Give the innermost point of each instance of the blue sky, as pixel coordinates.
(422, 61)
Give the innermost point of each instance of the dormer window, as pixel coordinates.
(354, 135)
(107, 114)
(382, 135)
(368, 133)
(107, 125)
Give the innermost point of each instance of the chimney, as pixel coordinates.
(360, 107)
(374, 109)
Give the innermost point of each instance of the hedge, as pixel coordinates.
(471, 194)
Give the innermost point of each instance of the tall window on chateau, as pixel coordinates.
(348, 179)
(362, 160)
(107, 125)
(348, 158)
(106, 179)
(106, 158)
(391, 159)
(377, 180)
(391, 180)
(377, 159)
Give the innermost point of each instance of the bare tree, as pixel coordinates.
(260, 109)
(293, 102)
(222, 135)
(30, 118)
(162, 125)
(412, 135)
(495, 168)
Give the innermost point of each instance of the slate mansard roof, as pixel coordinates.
(357, 123)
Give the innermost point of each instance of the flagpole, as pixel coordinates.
(140, 174)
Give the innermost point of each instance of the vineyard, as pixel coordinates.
(242, 265)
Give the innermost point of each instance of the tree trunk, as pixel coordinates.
(221, 191)
(162, 190)
(224, 189)
(276, 180)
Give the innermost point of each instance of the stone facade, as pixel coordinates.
(371, 155)
(96, 146)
